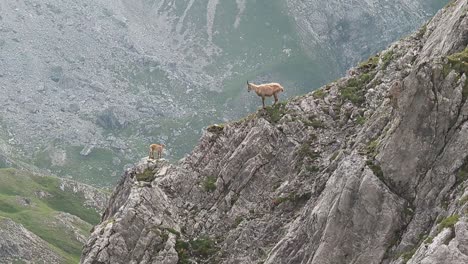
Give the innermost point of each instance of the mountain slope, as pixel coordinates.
(45, 219)
(86, 81)
(369, 169)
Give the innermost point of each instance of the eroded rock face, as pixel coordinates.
(351, 173)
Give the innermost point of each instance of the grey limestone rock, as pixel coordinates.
(341, 175)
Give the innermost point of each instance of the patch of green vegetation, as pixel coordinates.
(335, 155)
(448, 222)
(429, 240)
(40, 213)
(355, 88)
(306, 151)
(360, 120)
(459, 63)
(319, 93)
(463, 200)
(376, 169)
(173, 231)
(386, 59)
(315, 123)
(370, 64)
(238, 220)
(462, 174)
(183, 252)
(146, 176)
(201, 248)
(372, 148)
(422, 31)
(216, 129)
(408, 255)
(312, 169)
(209, 184)
(275, 112)
(293, 198)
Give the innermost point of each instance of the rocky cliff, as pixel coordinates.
(86, 80)
(372, 168)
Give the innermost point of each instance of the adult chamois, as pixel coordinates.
(156, 148)
(266, 90)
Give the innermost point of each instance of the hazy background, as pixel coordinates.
(87, 85)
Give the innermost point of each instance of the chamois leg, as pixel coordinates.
(149, 155)
(276, 98)
(263, 102)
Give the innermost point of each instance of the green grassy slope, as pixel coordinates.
(38, 214)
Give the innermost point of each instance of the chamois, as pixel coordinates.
(266, 90)
(156, 148)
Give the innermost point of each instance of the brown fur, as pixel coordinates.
(266, 90)
(156, 148)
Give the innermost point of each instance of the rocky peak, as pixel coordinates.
(372, 168)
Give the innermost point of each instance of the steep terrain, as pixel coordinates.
(45, 219)
(86, 85)
(372, 168)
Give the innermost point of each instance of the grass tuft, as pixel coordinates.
(209, 184)
(146, 176)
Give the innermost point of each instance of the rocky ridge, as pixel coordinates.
(92, 79)
(372, 168)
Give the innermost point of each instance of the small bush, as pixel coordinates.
(354, 94)
(146, 176)
(408, 255)
(462, 175)
(448, 222)
(360, 120)
(372, 148)
(319, 93)
(275, 112)
(203, 247)
(370, 64)
(463, 200)
(376, 169)
(429, 240)
(209, 184)
(387, 58)
(216, 129)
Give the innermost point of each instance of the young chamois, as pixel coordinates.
(266, 90)
(156, 148)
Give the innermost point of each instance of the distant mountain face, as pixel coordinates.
(87, 85)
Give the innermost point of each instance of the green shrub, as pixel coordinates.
(275, 112)
(429, 240)
(202, 248)
(360, 120)
(462, 174)
(372, 148)
(209, 184)
(354, 94)
(319, 93)
(376, 169)
(448, 222)
(146, 176)
(387, 58)
(216, 129)
(459, 63)
(408, 255)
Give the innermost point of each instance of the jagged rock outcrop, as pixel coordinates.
(113, 74)
(370, 169)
